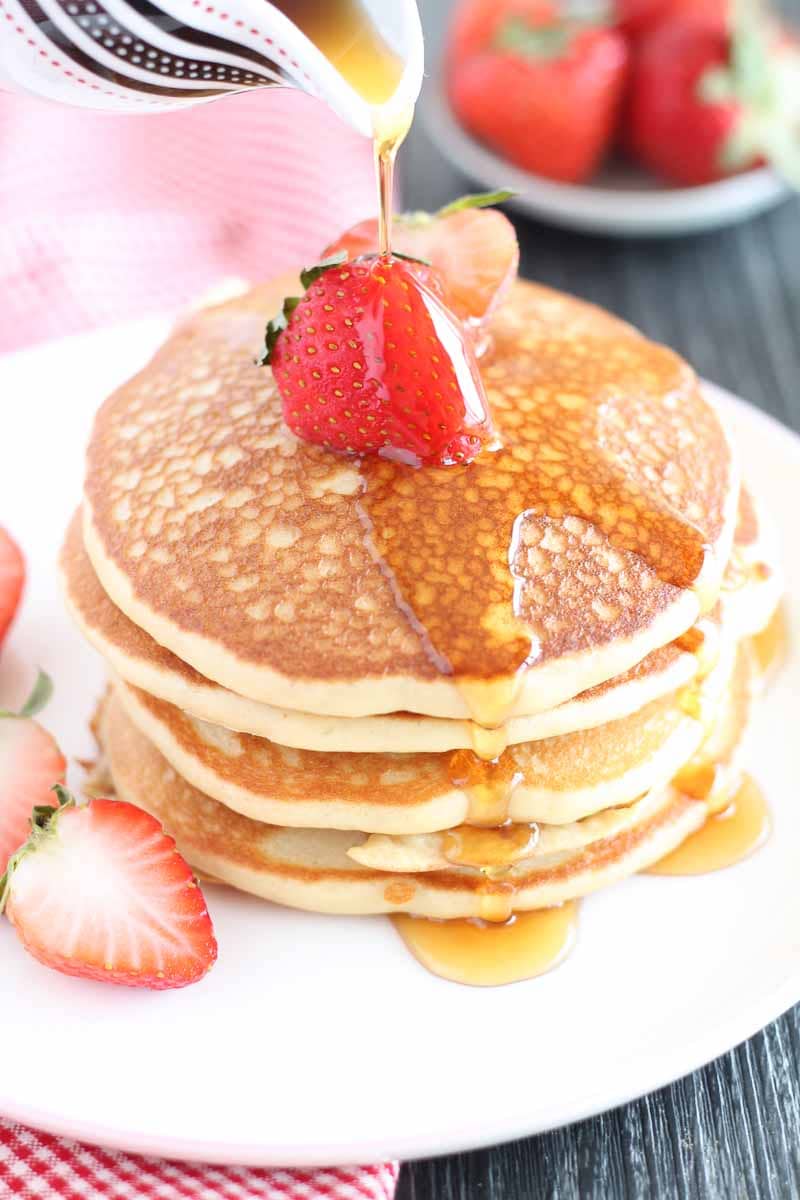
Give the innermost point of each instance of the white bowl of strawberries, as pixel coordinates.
(678, 116)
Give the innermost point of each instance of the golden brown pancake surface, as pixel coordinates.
(289, 574)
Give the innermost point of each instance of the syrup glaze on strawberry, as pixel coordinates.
(370, 361)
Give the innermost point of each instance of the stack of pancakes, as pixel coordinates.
(354, 686)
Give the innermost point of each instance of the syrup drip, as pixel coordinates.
(703, 641)
(485, 955)
(692, 701)
(772, 644)
(491, 849)
(739, 827)
(489, 784)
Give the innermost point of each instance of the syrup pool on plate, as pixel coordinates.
(485, 955)
(728, 836)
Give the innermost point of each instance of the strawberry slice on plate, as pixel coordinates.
(100, 891)
(30, 763)
(369, 361)
(472, 248)
(12, 578)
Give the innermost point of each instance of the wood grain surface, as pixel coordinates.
(730, 303)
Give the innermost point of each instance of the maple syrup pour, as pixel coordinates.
(772, 644)
(486, 955)
(385, 153)
(729, 835)
(345, 33)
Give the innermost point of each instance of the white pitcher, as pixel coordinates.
(139, 56)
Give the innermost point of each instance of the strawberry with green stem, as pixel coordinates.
(545, 95)
(100, 891)
(370, 361)
(706, 102)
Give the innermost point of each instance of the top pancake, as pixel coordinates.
(750, 591)
(346, 587)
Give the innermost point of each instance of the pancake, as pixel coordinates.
(421, 852)
(311, 869)
(748, 601)
(355, 588)
(556, 780)
(708, 775)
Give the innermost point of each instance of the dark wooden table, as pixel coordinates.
(730, 303)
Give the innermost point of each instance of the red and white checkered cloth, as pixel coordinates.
(41, 1167)
(106, 217)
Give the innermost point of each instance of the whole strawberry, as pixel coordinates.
(369, 361)
(545, 96)
(705, 103)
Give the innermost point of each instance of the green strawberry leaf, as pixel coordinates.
(310, 275)
(276, 326)
(426, 262)
(41, 820)
(533, 41)
(40, 694)
(476, 200)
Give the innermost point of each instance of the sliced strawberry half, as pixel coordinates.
(101, 892)
(472, 247)
(12, 579)
(30, 763)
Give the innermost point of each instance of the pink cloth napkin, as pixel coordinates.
(43, 1167)
(108, 217)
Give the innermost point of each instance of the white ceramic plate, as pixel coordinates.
(622, 200)
(319, 1040)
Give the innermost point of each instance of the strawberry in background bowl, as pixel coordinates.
(542, 91)
(575, 162)
(707, 101)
